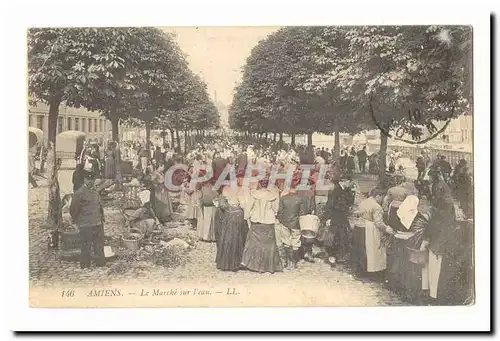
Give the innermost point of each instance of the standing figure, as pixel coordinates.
(362, 157)
(109, 163)
(335, 234)
(31, 169)
(232, 232)
(464, 189)
(161, 202)
(421, 166)
(350, 164)
(370, 210)
(441, 240)
(206, 222)
(288, 227)
(87, 213)
(158, 156)
(78, 177)
(261, 252)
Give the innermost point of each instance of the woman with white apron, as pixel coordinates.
(440, 238)
(371, 214)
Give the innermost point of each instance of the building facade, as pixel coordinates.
(93, 124)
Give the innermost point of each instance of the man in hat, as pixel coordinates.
(87, 213)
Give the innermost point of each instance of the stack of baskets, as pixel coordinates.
(130, 197)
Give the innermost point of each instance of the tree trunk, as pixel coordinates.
(172, 139)
(164, 135)
(336, 146)
(114, 127)
(148, 137)
(185, 140)
(382, 157)
(274, 137)
(178, 138)
(309, 139)
(266, 137)
(54, 214)
(292, 142)
(281, 137)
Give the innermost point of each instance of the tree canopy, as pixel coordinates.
(399, 79)
(136, 74)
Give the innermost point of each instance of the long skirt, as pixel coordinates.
(109, 168)
(336, 238)
(231, 236)
(162, 204)
(206, 224)
(261, 252)
(191, 201)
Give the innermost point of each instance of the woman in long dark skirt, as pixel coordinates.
(261, 252)
(334, 235)
(232, 231)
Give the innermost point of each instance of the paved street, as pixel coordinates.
(47, 270)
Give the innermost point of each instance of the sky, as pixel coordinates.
(218, 54)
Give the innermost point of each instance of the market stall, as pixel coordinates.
(69, 144)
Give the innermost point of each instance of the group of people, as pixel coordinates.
(458, 179)
(255, 224)
(258, 223)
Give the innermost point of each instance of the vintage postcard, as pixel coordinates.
(294, 166)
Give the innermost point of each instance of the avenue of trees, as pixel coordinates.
(398, 79)
(127, 74)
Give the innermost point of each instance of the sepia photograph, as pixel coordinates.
(189, 166)
(223, 168)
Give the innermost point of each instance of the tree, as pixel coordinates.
(282, 89)
(77, 66)
(390, 71)
(193, 109)
(265, 101)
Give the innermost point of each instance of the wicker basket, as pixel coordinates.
(417, 256)
(130, 243)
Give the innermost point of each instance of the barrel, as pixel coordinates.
(309, 225)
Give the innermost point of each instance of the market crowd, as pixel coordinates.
(268, 224)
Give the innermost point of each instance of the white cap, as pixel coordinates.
(145, 196)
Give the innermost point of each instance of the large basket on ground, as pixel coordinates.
(309, 226)
(69, 245)
(132, 241)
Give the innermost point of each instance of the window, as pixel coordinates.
(60, 124)
(39, 122)
(68, 124)
(84, 125)
(95, 125)
(77, 123)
